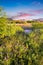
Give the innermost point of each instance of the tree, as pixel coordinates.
(7, 29)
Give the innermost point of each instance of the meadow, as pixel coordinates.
(18, 47)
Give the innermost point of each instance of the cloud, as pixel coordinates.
(36, 3)
(24, 14)
(21, 14)
(38, 11)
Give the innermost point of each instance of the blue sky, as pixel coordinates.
(26, 9)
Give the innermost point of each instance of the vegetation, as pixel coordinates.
(18, 47)
(38, 25)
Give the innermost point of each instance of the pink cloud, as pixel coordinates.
(37, 11)
(20, 14)
(25, 14)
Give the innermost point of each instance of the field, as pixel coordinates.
(18, 47)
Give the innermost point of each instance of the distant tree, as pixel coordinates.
(2, 12)
(37, 25)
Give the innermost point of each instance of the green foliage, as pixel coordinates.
(11, 29)
(2, 27)
(22, 48)
(37, 24)
(7, 29)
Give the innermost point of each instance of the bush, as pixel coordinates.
(22, 49)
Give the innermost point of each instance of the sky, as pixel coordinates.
(23, 9)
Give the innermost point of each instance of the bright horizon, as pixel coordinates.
(23, 9)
